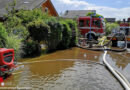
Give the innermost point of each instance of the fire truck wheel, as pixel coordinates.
(93, 37)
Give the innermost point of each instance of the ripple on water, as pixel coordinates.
(70, 75)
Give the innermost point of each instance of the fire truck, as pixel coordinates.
(124, 27)
(91, 26)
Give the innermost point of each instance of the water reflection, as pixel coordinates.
(121, 62)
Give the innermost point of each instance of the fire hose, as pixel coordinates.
(117, 74)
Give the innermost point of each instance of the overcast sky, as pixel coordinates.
(108, 8)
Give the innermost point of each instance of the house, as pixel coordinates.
(46, 6)
(72, 14)
(110, 20)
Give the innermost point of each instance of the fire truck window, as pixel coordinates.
(81, 23)
(127, 31)
(87, 23)
(96, 23)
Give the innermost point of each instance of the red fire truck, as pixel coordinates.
(125, 28)
(91, 25)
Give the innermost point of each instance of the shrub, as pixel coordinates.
(21, 31)
(73, 26)
(56, 34)
(110, 27)
(31, 15)
(38, 30)
(3, 35)
(26, 16)
(11, 23)
(14, 42)
(66, 36)
(31, 47)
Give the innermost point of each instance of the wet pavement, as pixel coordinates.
(72, 69)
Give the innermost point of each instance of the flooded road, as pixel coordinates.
(121, 62)
(72, 69)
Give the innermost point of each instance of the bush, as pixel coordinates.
(73, 26)
(31, 47)
(66, 36)
(11, 23)
(30, 15)
(20, 31)
(110, 27)
(14, 42)
(3, 35)
(38, 30)
(56, 34)
(26, 16)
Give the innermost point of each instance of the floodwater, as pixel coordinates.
(72, 69)
(121, 62)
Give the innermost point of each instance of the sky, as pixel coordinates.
(118, 9)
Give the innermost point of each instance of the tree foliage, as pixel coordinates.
(31, 47)
(56, 34)
(110, 27)
(14, 42)
(38, 30)
(73, 26)
(92, 13)
(66, 36)
(3, 35)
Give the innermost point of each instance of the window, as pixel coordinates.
(96, 23)
(81, 23)
(46, 9)
(87, 22)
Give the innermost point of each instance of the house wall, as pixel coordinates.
(50, 7)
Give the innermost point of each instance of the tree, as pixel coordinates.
(92, 13)
(110, 27)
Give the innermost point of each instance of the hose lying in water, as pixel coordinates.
(118, 75)
(116, 50)
(108, 49)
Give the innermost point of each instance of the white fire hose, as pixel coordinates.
(118, 75)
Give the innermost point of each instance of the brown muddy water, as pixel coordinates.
(70, 70)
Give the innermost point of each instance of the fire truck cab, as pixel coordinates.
(96, 25)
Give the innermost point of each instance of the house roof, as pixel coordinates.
(76, 13)
(20, 4)
(110, 19)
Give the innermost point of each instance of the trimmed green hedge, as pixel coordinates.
(73, 26)
(31, 47)
(38, 30)
(56, 33)
(66, 36)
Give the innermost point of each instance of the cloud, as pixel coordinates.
(63, 5)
